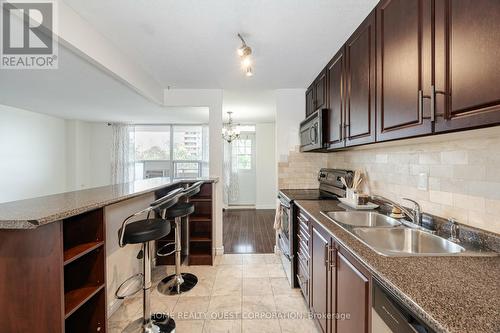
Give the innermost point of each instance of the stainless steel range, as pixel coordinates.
(330, 188)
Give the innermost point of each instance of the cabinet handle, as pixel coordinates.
(433, 103)
(421, 97)
(327, 255)
(333, 257)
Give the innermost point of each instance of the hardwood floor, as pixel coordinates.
(249, 231)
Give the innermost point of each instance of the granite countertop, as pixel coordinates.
(32, 213)
(452, 294)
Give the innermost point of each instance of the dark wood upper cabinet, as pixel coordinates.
(335, 73)
(360, 76)
(320, 275)
(352, 297)
(320, 91)
(404, 67)
(467, 63)
(310, 100)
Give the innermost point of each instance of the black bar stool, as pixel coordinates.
(179, 282)
(144, 232)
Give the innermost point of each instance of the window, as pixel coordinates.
(242, 152)
(178, 151)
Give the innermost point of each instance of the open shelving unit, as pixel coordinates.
(84, 272)
(201, 227)
(198, 245)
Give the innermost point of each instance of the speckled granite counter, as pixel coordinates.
(32, 213)
(452, 294)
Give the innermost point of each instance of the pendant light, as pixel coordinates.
(230, 131)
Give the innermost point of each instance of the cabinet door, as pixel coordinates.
(320, 276)
(309, 101)
(467, 64)
(360, 72)
(335, 100)
(404, 53)
(320, 91)
(352, 297)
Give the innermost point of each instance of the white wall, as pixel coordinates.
(33, 154)
(290, 111)
(88, 154)
(265, 166)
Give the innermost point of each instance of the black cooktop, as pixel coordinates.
(307, 194)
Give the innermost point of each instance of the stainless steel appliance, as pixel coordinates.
(330, 187)
(389, 315)
(313, 133)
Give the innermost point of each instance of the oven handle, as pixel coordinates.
(284, 205)
(282, 248)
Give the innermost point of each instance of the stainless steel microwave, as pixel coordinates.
(312, 131)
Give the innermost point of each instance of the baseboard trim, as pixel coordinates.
(219, 250)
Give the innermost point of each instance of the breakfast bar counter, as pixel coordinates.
(60, 262)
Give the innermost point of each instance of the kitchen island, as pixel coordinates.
(60, 262)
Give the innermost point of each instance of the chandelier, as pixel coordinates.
(230, 131)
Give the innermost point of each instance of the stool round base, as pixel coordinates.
(160, 323)
(174, 285)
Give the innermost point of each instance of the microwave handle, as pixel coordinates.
(314, 130)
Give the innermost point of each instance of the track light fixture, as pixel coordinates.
(245, 53)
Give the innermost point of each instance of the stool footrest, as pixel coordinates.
(130, 286)
(161, 251)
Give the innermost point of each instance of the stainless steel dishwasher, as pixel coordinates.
(389, 315)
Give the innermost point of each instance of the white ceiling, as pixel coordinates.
(79, 90)
(192, 43)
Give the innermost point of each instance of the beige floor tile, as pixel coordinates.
(230, 271)
(189, 308)
(287, 304)
(203, 272)
(189, 326)
(281, 286)
(275, 270)
(163, 304)
(227, 286)
(231, 259)
(223, 306)
(255, 271)
(256, 286)
(298, 325)
(261, 326)
(203, 288)
(222, 326)
(272, 259)
(258, 305)
(252, 259)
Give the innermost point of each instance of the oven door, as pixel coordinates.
(284, 245)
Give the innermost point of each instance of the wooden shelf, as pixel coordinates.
(79, 250)
(74, 299)
(200, 199)
(200, 239)
(200, 218)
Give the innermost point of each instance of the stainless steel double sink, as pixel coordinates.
(388, 237)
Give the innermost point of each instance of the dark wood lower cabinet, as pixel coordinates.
(339, 286)
(320, 276)
(353, 294)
